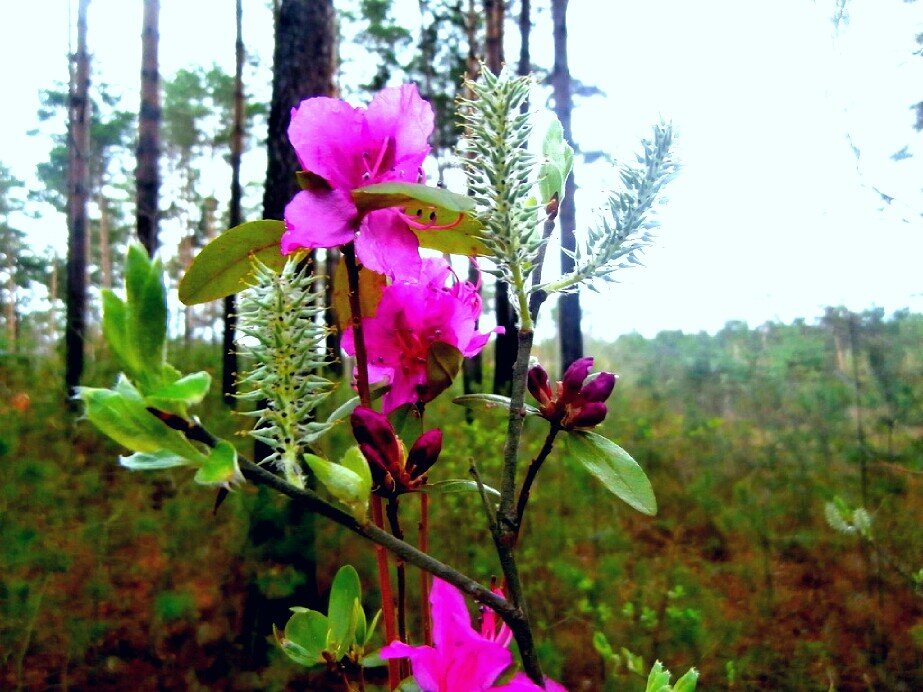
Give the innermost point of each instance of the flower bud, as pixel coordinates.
(376, 438)
(574, 377)
(424, 453)
(599, 388)
(539, 386)
(588, 415)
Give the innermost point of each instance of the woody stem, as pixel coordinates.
(365, 398)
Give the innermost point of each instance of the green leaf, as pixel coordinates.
(136, 327)
(190, 389)
(220, 467)
(223, 266)
(614, 467)
(688, 682)
(557, 163)
(455, 230)
(373, 661)
(345, 592)
(602, 646)
(659, 679)
(361, 624)
(407, 422)
(370, 630)
(147, 309)
(385, 195)
(305, 636)
(443, 363)
(355, 461)
(122, 415)
(343, 410)
(343, 483)
(457, 485)
(143, 461)
(491, 401)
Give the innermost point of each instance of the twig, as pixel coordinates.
(488, 510)
(531, 474)
(425, 626)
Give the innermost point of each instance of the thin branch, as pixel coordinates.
(531, 474)
(488, 510)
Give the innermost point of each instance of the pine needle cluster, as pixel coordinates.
(281, 314)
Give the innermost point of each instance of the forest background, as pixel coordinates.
(762, 442)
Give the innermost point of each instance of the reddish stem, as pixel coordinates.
(424, 575)
(362, 384)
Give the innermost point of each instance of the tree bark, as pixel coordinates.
(569, 305)
(228, 351)
(77, 194)
(105, 243)
(148, 173)
(506, 343)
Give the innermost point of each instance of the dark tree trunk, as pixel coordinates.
(505, 348)
(228, 351)
(304, 64)
(525, 28)
(148, 174)
(569, 305)
(77, 197)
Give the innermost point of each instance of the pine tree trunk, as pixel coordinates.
(78, 189)
(148, 173)
(228, 350)
(105, 241)
(11, 316)
(569, 304)
(304, 64)
(505, 344)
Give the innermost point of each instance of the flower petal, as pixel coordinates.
(575, 375)
(399, 113)
(319, 218)
(386, 244)
(522, 683)
(427, 664)
(328, 136)
(599, 387)
(449, 613)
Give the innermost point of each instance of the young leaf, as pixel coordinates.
(122, 415)
(305, 636)
(147, 309)
(142, 461)
(224, 266)
(355, 462)
(558, 160)
(344, 484)
(220, 467)
(659, 679)
(345, 592)
(614, 467)
(688, 682)
(190, 389)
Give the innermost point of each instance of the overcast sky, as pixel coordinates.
(773, 216)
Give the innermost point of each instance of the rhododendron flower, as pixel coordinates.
(378, 442)
(345, 148)
(461, 658)
(579, 401)
(410, 318)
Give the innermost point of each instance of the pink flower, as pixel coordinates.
(409, 319)
(461, 658)
(346, 148)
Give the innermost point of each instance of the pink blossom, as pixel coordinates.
(346, 148)
(461, 658)
(409, 319)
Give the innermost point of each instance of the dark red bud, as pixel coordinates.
(599, 388)
(380, 476)
(539, 386)
(424, 453)
(376, 438)
(590, 414)
(573, 378)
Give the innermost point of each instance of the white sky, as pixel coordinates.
(771, 217)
